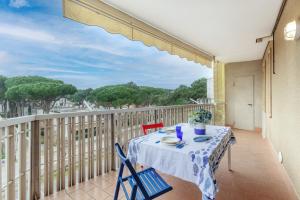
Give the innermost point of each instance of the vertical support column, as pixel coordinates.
(10, 154)
(35, 161)
(219, 92)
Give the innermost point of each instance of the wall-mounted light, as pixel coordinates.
(292, 30)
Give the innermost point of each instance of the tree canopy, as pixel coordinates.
(44, 92)
(40, 90)
(130, 93)
(79, 96)
(115, 95)
(2, 87)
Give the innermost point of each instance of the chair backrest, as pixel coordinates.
(151, 126)
(127, 163)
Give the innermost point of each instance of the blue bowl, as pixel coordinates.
(199, 131)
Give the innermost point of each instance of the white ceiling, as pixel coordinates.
(224, 28)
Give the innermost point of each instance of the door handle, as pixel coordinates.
(249, 104)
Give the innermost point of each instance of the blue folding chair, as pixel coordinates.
(145, 185)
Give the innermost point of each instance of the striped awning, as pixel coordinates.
(98, 13)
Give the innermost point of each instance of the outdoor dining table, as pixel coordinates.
(195, 162)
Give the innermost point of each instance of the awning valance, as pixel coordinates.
(98, 13)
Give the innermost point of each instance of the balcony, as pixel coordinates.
(71, 156)
(44, 154)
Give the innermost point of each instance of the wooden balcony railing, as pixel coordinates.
(43, 154)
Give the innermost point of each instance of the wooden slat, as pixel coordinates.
(34, 186)
(82, 149)
(46, 159)
(131, 125)
(125, 133)
(22, 161)
(100, 144)
(113, 140)
(51, 156)
(105, 144)
(58, 154)
(98, 149)
(10, 159)
(92, 126)
(90, 147)
(109, 142)
(137, 124)
(69, 151)
(73, 151)
(62, 166)
(118, 131)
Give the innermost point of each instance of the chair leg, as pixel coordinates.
(117, 189)
(133, 193)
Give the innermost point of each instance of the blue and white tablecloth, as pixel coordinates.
(195, 162)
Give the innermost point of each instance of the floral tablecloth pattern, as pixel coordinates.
(195, 162)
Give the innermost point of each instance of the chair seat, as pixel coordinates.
(153, 183)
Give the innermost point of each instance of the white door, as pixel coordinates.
(244, 103)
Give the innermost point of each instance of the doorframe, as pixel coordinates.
(253, 99)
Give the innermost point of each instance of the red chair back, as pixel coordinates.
(151, 126)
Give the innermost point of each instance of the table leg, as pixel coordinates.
(229, 157)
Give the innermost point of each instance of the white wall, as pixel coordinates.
(284, 126)
(248, 68)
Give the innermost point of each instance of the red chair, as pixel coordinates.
(146, 127)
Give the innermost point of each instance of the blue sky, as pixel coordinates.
(35, 39)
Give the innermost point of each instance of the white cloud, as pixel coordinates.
(42, 36)
(50, 69)
(26, 33)
(18, 3)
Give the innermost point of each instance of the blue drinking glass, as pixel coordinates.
(179, 135)
(178, 128)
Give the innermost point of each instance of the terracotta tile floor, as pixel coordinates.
(256, 176)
